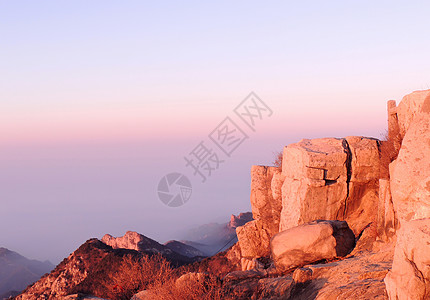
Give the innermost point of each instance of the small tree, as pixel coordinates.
(278, 160)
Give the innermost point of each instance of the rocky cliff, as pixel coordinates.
(327, 179)
(381, 189)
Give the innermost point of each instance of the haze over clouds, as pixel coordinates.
(101, 99)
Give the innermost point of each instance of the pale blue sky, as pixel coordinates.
(100, 99)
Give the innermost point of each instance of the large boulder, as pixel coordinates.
(315, 185)
(410, 172)
(331, 179)
(308, 243)
(254, 239)
(409, 278)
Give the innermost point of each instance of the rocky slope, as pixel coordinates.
(17, 272)
(92, 268)
(72, 271)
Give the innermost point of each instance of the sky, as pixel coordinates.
(101, 99)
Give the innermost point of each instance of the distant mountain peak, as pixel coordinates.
(184, 249)
(240, 220)
(135, 241)
(18, 271)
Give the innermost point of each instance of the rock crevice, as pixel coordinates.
(348, 173)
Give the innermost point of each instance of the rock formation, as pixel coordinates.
(410, 181)
(346, 179)
(135, 241)
(254, 237)
(239, 220)
(410, 190)
(321, 179)
(408, 108)
(330, 179)
(132, 240)
(311, 242)
(409, 277)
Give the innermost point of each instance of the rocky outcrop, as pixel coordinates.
(239, 220)
(254, 237)
(316, 177)
(132, 240)
(253, 240)
(408, 108)
(252, 284)
(308, 243)
(330, 179)
(358, 277)
(320, 179)
(410, 173)
(345, 179)
(264, 206)
(135, 241)
(409, 187)
(409, 278)
(276, 187)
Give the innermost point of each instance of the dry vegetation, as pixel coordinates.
(193, 290)
(156, 275)
(388, 152)
(278, 160)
